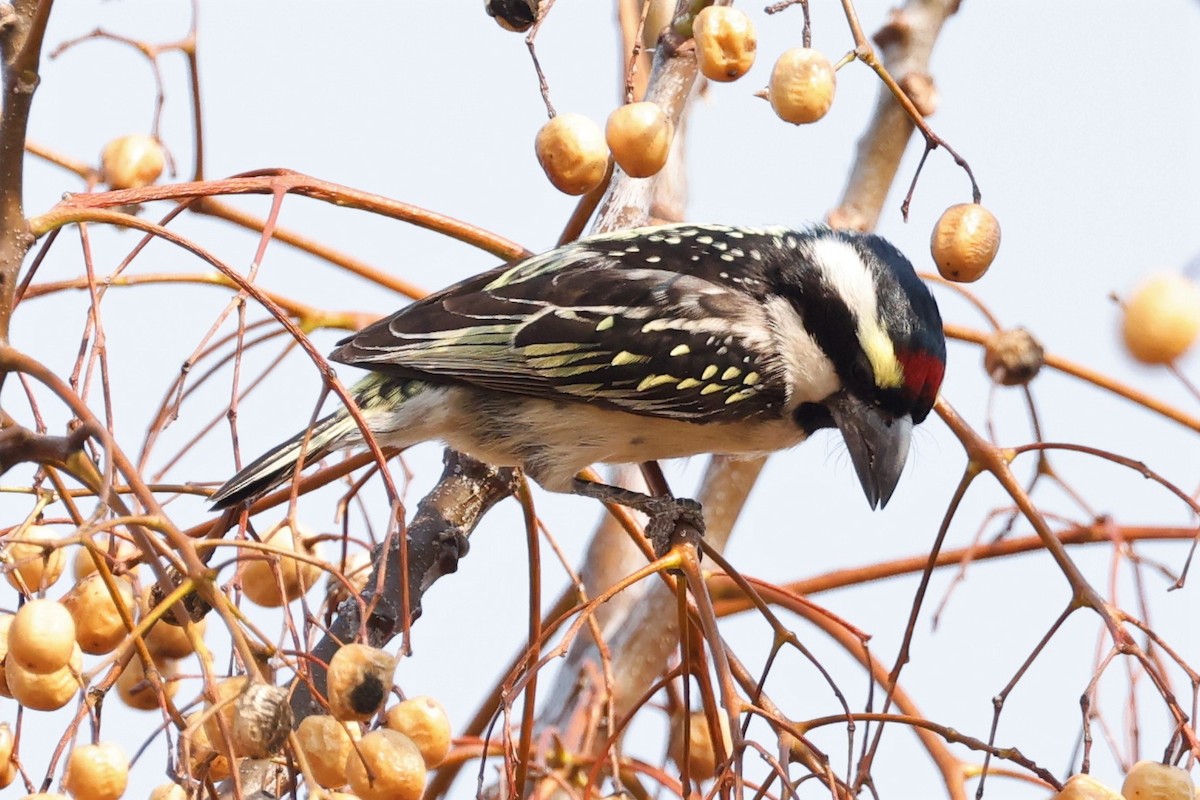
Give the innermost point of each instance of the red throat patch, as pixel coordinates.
(922, 375)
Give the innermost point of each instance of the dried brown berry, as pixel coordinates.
(1162, 318)
(639, 136)
(725, 43)
(572, 153)
(262, 720)
(1013, 357)
(802, 86)
(965, 242)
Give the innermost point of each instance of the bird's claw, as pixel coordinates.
(668, 515)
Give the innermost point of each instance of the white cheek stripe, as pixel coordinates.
(808, 373)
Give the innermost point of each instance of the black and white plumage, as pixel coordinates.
(646, 344)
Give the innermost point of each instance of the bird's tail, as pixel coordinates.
(375, 394)
(278, 464)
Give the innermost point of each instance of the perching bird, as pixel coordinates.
(645, 344)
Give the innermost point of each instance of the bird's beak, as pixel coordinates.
(877, 441)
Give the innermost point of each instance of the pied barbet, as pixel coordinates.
(650, 343)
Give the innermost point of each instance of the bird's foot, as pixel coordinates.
(672, 519)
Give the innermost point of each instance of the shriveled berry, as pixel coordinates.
(965, 242)
(1150, 780)
(725, 43)
(327, 743)
(358, 681)
(802, 86)
(1013, 357)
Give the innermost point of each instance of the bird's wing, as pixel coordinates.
(603, 321)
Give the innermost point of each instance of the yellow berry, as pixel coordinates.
(31, 560)
(964, 242)
(96, 772)
(41, 637)
(326, 744)
(135, 689)
(168, 791)
(423, 720)
(6, 743)
(113, 550)
(358, 681)
(259, 581)
(99, 627)
(1150, 780)
(699, 746)
(131, 162)
(725, 43)
(802, 85)
(197, 751)
(386, 766)
(639, 136)
(572, 153)
(45, 691)
(1162, 318)
(166, 640)
(356, 570)
(1085, 787)
(225, 703)
(5, 624)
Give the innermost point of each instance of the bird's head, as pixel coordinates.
(879, 326)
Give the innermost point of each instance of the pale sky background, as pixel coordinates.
(1079, 118)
